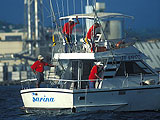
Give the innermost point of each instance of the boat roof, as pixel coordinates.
(127, 54)
(100, 15)
(74, 56)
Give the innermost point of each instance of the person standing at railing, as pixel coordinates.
(67, 31)
(38, 69)
(94, 74)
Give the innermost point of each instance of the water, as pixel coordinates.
(10, 103)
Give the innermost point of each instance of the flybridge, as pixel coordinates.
(124, 54)
(93, 56)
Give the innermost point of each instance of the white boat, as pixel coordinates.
(129, 83)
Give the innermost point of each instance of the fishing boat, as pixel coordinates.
(129, 84)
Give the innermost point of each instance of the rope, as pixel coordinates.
(97, 19)
(68, 10)
(52, 24)
(60, 21)
(75, 37)
(63, 10)
(53, 19)
(58, 12)
(82, 19)
(63, 15)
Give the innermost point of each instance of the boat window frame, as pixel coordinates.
(134, 71)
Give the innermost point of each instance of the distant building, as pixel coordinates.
(11, 42)
(12, 36)
(10, 47)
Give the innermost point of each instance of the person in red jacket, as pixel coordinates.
(91, 34)
(94, 74)
(67, 31)
(38, 68)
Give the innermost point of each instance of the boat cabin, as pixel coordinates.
(120, 68)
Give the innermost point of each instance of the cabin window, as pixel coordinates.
(144, 67)
(74, 70)
(141, 64)
(87, 66)
(132, 68)
(18, 37)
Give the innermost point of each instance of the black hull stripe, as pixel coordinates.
(146, 88)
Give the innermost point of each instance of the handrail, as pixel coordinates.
(60, 83)
(63, 80)
(28, 80)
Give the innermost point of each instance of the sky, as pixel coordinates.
(146, 12)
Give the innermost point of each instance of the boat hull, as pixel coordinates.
(126, 99)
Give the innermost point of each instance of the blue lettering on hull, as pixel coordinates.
(35, 98)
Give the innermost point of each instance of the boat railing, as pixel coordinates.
(59, 83)
(82, 47)
(128, 81)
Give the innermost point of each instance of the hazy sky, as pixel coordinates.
(146, 12)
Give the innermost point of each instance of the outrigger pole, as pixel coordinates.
(53, 19)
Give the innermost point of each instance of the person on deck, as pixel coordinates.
(94, 74)
(38, 68)
(91, 35)
(67, 31)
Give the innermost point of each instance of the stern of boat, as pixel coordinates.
(47, 98)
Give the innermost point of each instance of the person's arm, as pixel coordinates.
(35, 72)
(96, 74)
(98, 77)
(50, 65)
(77, 20)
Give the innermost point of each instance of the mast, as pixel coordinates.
(29, 35)
(34, 24)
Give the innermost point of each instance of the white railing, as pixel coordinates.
(128, 81)
(57, 83)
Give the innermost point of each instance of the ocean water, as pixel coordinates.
(10, 104)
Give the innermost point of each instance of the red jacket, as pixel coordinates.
(39, 66)
(67, 29)
(92, 73)
(91, 32)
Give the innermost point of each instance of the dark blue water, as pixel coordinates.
(10, 103)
